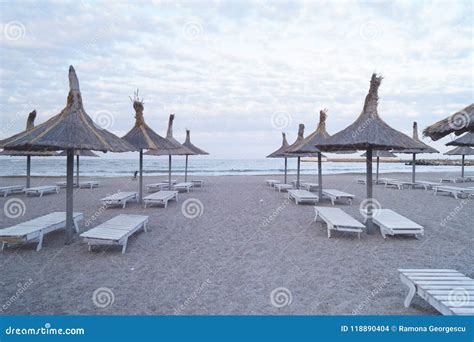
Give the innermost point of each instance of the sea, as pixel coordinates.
(199, 166)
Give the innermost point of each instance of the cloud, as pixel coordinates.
(224, 67)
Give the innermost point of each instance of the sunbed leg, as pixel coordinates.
(3, 245)
(89, 248)
(124, 246)
(144, 227)
(76, 226)
(411, 292)
(124, 204)
(315, 217)
(40, 242)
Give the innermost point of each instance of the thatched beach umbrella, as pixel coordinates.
(71, 129)
(310, 143)
(461, 151)
(369, 132)
(178, 149)
(142, 137)
(280, 153)
(465, 140)
(414, 152)
(379, 154)
(79, 153)
(30, 123)
(194, 149)
(457, 123)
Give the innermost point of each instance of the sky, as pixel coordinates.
(237, 73)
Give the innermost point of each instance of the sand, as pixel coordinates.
(247, 243)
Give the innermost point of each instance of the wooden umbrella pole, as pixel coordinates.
(369, 223)
(298, 174)
(28, 171)
(69, 196)
(77, 170)
(286, 169)
(140, 181)
(320, 177)
(169, 171)
(462, 166)
(413, 168)
(186, 170)
(377, 174)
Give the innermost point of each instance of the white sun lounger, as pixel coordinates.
(453, 191)
(120, 198)
(301, 182)
(398, 184)
(272, 182)
(115, 231)
(63, 184)
(451, 180)
(364, 181)
(156, 187)
(35, 229)
(310, 186)
(302, 196)
(161, 197)
(336, 195)
(392, 223)
(384, 180)
(11, 189)
(448, 291)
(187, 186)
(283, 187)
(197, 183)
(425, 184)
(89, 184)
(336, 219)
(40, 190)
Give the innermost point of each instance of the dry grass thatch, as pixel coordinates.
(457, 123)
(70, 129)
(80, 153)
(298, 142)
(310, 143)
(141, 136)
(425, 149)
(177, 150)
(466, 140)
(369, 130)
(196, 150)
(460, 151)
(280, 152)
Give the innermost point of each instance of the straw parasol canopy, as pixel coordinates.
(465, 140)
(280, 153)
(79, 153)
(379, 154)
(461, 151)
(71, 129)
(369, 132)
(194, 149)
(142, 137)
(424, 149)
(30, 123)
(457, 123)
(310, 143)
(177, 150)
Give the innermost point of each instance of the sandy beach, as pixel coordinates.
(246, 241)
